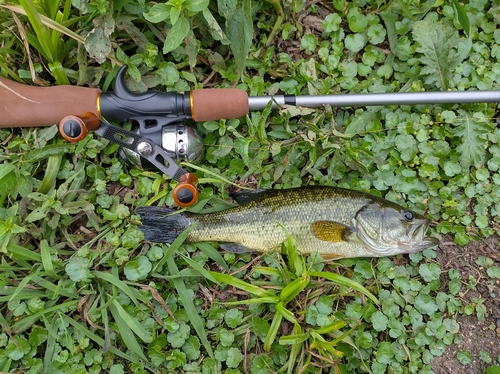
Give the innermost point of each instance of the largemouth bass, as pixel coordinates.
(333, 221)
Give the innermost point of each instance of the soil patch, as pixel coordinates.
(480, 337)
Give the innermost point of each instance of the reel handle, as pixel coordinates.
(185, 193)
(75, 128)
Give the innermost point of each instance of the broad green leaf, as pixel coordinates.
(429, 272)
(438, 44)
(176, 35)
(239, 30)
(97, 42)
(157, 13)
(357, 20)
(78, 269)
(379, 321)
(233, 318)
(192, 348)
(493, 272)
(234, 357)
(196, 6)
(138, 268)
(385, 353)
(493, 369)
(471, 130)
(178, 337)
(226, 8)
(214, 27)
(17, 348)
(6, 169)
(464, 357)
(425, 304)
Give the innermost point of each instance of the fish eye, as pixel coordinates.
(407, 215)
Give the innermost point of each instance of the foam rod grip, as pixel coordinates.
(218, 103)
(29, 106)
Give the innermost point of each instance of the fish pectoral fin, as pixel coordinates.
(235, 248)
(331, 231)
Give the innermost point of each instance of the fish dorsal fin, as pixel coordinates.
(330, 231)
(245, 196)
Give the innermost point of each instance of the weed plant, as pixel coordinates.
(82, 293)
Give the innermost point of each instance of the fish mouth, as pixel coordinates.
(417, 240)
(413, 247)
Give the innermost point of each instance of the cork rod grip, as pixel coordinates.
(218, 103)
(28, 106)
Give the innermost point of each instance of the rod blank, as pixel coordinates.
(257, 103)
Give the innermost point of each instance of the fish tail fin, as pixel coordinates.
(161, 225)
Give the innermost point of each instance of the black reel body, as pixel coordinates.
(177, 138)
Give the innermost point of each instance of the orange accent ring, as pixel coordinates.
(98, 104)
(191, 105)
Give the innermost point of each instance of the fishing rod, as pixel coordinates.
(162, 137)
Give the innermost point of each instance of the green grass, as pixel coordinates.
(81, 290)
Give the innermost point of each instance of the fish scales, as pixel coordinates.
(333, 221)
(263, 224)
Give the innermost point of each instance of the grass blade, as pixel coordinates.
(25, 323)
(273, 331)
(47, 22)
(343, 281)
(42, 34)
(48, 266)
(126, 333)
(19, 252)
(294, 339)
(196, 266)
(213, 254)
(189, 306)
(50, 347)
(115, 281)
(21, 285)
(242, 285)
(82, 329)
(134, 325)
